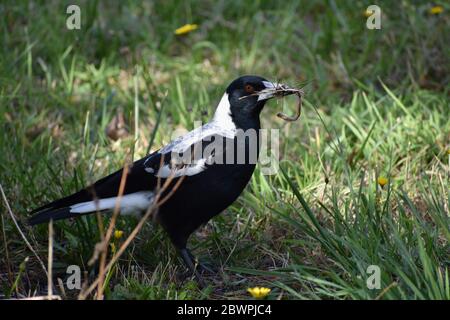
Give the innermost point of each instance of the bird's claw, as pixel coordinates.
(205, 268)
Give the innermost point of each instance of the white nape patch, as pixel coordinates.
(188, 170)
(130, 203)
(222, 116)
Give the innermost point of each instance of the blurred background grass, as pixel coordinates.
(377, 105)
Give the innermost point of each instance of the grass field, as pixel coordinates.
(376, 105)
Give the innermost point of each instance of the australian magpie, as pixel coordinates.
(215, 161)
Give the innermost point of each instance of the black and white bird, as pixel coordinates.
(212, 181)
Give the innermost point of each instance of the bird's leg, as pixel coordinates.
(201, 266)
(187, 258)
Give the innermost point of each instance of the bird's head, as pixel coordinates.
(246, 96)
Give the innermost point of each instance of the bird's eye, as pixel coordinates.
(249, 88)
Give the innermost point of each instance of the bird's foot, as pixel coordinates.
(196, 268)
(206, 268)
(203, 267)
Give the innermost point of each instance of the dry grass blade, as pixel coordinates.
(151, 210)
(50, 260)
(112, 224)
(175, 187)
(20, 231)
(389, 287)
(5, 242)
(47, 297)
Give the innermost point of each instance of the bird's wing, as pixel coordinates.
(202, 133)
(183, 157)
(194, 159)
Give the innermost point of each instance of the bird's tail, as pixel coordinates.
(54, 214)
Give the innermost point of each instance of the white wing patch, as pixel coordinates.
(130, 203)
(221, 124)
(187, 170)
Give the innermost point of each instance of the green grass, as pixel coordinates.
(376, 105)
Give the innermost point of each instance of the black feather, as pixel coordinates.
(55, 214)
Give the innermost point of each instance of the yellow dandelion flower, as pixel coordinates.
(448, 151)
(259, 292)
(367, 13)
(186, 29)
(382, 181)
(118, 234)
(436, 10)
